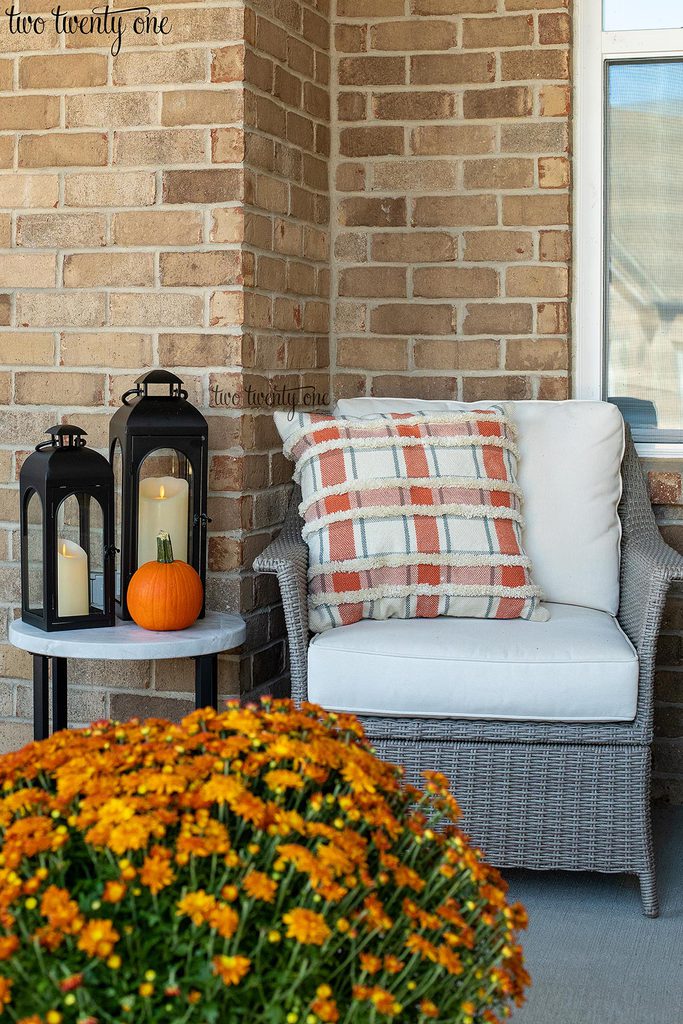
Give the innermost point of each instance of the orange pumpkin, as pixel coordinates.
(165, 594)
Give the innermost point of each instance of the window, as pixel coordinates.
(629, 215)
(619, 15)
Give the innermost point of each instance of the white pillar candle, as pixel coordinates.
(163, 505)
(73, 587)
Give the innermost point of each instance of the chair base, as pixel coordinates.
(580, 807)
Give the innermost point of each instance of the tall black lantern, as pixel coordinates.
(158, 447)
(67, 534)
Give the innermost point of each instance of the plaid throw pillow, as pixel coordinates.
(411, 516)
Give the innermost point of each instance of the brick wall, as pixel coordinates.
(451, 201)
(120, 177)
(286, 242)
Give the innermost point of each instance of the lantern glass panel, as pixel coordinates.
(34, 540)
(117, 467)
(80, 556)
(165, 498)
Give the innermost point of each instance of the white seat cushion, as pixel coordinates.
(569, 472)
(577, 667)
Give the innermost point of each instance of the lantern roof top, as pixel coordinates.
(65, 461)
(64, 435)
(151, 413)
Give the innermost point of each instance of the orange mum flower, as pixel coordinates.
(450, 960)
(156, 871)
(325, 1009)
(428, 1008)
(197, 906)
(231, 969)
(98, 938)
(114, 891)
(8, 945)
(224, 919)
(71, 983)
(5, 991)
(306, 927)
(61, 912)
(371, 964)
(384, 1001)
(418, 944)
(259, 886)
(283, 778)
(377, 916)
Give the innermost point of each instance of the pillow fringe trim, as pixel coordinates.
(405, 483)
(390, 441)
(423, 590)
(410, 511)
(417, 559)
(383, 421)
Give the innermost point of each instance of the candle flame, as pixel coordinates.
(162, 491)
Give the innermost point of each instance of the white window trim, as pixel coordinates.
(593, 47)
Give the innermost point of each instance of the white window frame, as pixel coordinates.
(593, 48)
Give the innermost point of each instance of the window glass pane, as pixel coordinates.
(34, 541)
(96, 553)
(117, 467)
(73, 577)
(621, 15)
(643, 242)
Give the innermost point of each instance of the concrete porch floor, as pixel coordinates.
(592, 956)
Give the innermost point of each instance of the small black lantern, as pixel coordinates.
(159, 452)
(67, 534)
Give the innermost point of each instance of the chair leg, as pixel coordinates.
(647, 876)
(648, 893)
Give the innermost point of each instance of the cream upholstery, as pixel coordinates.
(579, 666)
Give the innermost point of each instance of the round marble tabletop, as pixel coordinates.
(127, 642)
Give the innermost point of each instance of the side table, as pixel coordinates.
(125, 641)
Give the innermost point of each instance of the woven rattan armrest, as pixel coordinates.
(287, 558)
(648, 568)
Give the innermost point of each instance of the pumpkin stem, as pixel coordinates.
(164, 547)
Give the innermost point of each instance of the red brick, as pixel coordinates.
(371, 141)
(511, 101)
(403, 35)
(372, 70)
(452, 68)
(413, 318)
(499, 318)
(455, 282)
(370, 282)
(554, 28)
(479, 33)
(372, 212)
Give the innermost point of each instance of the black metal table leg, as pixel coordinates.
(59, 711)
(41, 697)
(206, 681)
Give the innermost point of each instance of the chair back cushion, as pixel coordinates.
(411, 516)
(569, 472)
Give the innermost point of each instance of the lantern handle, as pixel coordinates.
(131, 391)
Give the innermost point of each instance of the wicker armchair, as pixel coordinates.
(533, 794)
